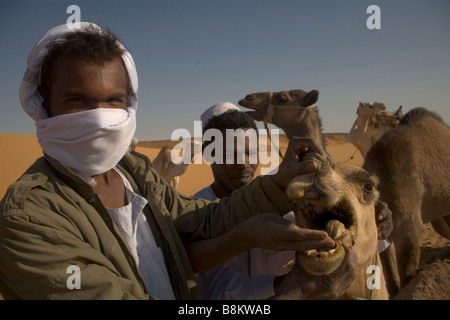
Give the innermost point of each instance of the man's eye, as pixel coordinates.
(115, 100)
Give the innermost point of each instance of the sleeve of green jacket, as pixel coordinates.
(42, 238)
(200, 219)
(48, 268)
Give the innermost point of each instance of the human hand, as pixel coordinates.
(383, 219)
(292, 164)
(301, 285)
(273, 232)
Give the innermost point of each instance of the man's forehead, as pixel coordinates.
(71, 65)
(71, 59)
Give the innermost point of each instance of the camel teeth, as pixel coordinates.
(311, 253)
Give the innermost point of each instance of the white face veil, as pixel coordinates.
(88, 142)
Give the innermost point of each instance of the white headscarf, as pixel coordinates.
(216, 110)
(88, 142)
(30, 97)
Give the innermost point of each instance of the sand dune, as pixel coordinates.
(18, 153)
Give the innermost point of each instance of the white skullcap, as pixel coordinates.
(29, 95)
(216, 110)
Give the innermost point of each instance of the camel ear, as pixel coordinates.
(311, 97)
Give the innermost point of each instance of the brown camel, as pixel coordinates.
(372, 122)
(342, 202)
(413, 164)
(370, 125)
(293, 111)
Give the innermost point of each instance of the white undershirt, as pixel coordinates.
(139, 238)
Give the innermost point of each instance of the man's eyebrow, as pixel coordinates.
(76, 93)
(117, 95)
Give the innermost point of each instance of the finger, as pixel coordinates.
(381, 209)
(350, 262)
(303, 245)
(295, 233)
(304, 167)
(276, 218)
(306, 145)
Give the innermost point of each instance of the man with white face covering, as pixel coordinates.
(91, 204)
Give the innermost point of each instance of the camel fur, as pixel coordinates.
(413, 164)
(342, 202)
(372, 122)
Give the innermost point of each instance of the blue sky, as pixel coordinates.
(193, 54)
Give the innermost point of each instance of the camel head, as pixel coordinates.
(293, 111)
(340, 201)
(260, 102)
(372, 123)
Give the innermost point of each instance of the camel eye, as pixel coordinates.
(283, 97)
(368, 186)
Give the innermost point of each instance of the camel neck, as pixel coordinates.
(308, 125)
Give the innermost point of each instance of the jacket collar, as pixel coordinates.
(134, 165)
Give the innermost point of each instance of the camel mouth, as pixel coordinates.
(342, 211)
(248, 102)
(339, 222)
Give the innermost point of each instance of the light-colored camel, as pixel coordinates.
(342, 202)
(169, 170)
(412, 161)
(372, 122)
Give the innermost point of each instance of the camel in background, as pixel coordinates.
(372, 122)
(167, 169)
(342, 202)
(412, 161)
(293, 111)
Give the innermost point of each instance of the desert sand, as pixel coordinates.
(20, 151)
